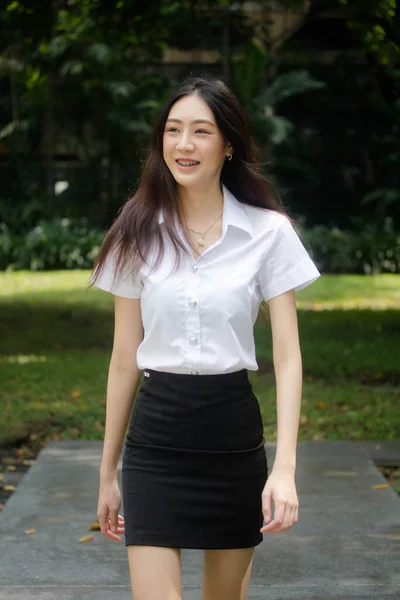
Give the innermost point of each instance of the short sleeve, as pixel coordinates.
(286, 264)
(126, 284)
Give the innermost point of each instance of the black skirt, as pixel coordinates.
(194, 463)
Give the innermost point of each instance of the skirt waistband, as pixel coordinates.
(240, 376)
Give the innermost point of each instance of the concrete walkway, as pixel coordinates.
(345, 545)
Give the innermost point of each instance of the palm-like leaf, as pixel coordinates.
(72, 67)
(271, 128)
(249, 72)
(121, 89)
(286, 85)
(13, 127)
(100, 53)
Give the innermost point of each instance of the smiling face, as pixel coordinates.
(194, 149)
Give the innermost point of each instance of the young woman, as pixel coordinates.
(189, 259)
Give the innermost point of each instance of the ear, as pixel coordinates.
(228, 148)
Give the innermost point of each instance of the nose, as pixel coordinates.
(185, 142)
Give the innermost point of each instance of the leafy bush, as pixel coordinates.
(58, 244)
(373, 248)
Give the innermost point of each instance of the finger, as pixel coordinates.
(266, 505)
(120, 528)
(103, 522)
(272, 527)
(289, 514)
(277, 521)
(114, 535)
(114, 519)
(294, 515)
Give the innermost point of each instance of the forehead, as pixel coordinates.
(191, 107)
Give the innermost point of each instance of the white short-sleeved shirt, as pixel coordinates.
(200, 318)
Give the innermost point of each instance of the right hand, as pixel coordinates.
(111, 522)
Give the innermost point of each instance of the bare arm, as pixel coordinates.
(123, 381)
(288, 374)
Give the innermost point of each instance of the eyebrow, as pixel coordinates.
(195, 121)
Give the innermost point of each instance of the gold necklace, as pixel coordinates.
(201, 241)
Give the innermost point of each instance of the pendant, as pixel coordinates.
(200, 242)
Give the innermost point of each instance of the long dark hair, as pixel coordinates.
(136, 229)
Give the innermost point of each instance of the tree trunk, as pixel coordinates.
(225, 47)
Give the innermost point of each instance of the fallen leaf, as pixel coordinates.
(95, 526)
(1, 477)
(320, 404)
(11, 468)
(86, 538)
(2, 506)
(30, 531)
(380, 486)
(28, 462)
(378, 376)
(9, 488)
(75, 393)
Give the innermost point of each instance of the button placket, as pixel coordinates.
(193, 319)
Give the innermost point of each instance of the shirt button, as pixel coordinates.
(192, 302)
(194, 372)
(193, 340)
(195, 267)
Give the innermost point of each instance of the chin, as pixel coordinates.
(188, 181)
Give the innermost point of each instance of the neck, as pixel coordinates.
(201, 205)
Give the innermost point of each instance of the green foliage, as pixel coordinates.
(61, 244)
(286, 85)
(81, 87)
(249, 73)
(374, 24)
(261, 94)
(373, 248)
(82, 82)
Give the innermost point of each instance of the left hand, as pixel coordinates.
(280, 488)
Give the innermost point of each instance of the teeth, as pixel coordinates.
(186, 163)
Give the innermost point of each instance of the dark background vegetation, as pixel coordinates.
(81, 81)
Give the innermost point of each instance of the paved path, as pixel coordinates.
(345, 545)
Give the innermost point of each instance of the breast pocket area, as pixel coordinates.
(231, 294)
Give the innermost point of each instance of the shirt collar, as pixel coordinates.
(234, 213)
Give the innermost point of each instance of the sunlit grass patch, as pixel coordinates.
(56, 341)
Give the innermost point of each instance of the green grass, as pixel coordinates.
(56, 340)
